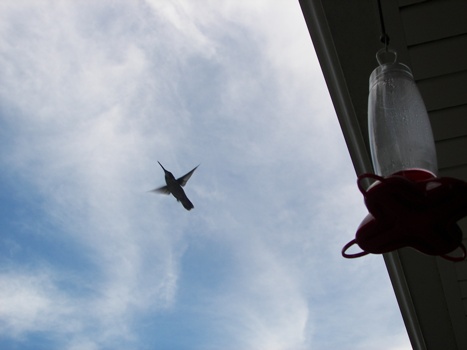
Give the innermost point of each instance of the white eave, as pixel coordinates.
(431, 37)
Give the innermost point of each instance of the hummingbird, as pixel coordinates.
(174, 186)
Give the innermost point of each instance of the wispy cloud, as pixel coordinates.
(31, 302)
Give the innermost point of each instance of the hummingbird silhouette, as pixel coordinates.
(174, 186)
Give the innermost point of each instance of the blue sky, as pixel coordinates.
(92, 95)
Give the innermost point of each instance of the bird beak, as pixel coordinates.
(162, 167)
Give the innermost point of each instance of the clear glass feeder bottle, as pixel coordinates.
(401, 139)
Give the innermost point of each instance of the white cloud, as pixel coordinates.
(78, 145)
(269, 310)
(30, 303)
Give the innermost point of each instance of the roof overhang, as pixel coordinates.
(345, 35)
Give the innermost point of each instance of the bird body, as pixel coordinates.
(175, 187)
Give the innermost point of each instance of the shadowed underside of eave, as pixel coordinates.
(430, 37)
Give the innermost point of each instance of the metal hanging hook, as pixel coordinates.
(384, 36)
(386, 56)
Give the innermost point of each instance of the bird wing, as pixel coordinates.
(163, 190)
(184, 179)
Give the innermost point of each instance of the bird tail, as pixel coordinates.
(187, 204)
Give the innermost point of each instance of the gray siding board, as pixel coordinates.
(452, 153)
(433, 20)
(461, 269)
(459, 172)
(463, 287)
(444, 91)
(439, 57)
(403, 3)
(449, 123)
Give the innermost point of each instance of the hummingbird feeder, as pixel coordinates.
(408, 204)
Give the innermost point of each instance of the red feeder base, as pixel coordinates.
(411, 209)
